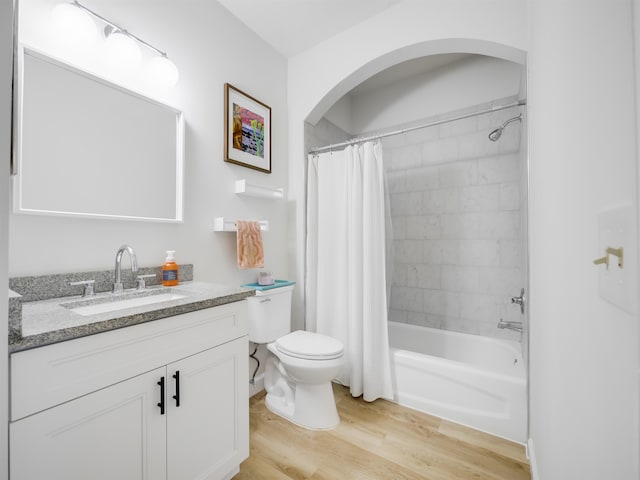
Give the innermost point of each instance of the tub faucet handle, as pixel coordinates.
(519, 300)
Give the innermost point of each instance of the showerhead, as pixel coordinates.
(495, 135)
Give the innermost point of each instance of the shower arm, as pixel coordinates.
(511, 120)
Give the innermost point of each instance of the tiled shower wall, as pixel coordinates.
(456, 211)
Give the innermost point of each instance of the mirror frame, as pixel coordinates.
(18, 177)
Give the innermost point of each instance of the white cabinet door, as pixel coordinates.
(208, 433)
(113, 433)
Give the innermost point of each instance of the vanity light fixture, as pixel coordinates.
(121, 48)
(74, 24)
(121, 43)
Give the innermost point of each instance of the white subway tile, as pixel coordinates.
(399, 227)
(422, 179)
(438, 302)
(399, 275)
(460, 279)
(480, 198)
(442, 200)
(441, 252)
(476, 145)
(479, 252)
(458, 174)
(511, 253)
(503, 281)
(409, 156)
(397, 181)
(423, 276)
(498, 225)
(481, 307)
(406, 203)
(396, 315)
(510, 196)
(408, 251)
(393, 141)
(425, 320)
(423, 227)
(441, 150)
(457, 324)
(509, 141)
(499, 169)
(407, 298)
(460, 225)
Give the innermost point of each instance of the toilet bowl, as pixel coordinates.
(300, 365)
(298, 379)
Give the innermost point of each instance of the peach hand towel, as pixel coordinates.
(250, 249)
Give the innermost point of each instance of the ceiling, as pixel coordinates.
(292, 26)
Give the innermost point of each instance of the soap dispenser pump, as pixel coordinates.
(170, 270)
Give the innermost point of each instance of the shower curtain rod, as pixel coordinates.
(417, 127)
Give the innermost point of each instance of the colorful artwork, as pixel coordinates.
(248, 131)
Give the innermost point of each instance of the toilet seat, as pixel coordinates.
(309, 346)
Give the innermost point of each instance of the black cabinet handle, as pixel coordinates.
(176, 397)
(161, 403)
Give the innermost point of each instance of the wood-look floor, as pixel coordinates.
(378, 440)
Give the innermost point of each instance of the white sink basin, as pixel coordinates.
(111, 306)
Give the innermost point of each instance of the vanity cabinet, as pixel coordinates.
(162, 400)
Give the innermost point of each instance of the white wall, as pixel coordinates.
(584, 351)
(6, 58)
(472, 80)
(210, 47)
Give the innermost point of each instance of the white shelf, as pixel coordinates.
(221, 224)
(244, 188)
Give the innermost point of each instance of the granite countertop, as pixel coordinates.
(51, 321)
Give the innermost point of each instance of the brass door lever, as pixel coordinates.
(617, 252)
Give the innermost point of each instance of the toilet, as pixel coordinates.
(300, 365)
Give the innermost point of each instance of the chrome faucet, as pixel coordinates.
(517, 326)
(117, 283)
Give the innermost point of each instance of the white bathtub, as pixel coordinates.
(476, 381)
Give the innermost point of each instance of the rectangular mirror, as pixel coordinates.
(87, 147)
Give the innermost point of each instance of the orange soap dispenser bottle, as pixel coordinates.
(170, 270)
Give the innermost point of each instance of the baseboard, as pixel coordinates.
(531, 455)
(257, 386)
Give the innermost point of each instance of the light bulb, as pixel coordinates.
(162, 72)
(122, 49)
(74, 25)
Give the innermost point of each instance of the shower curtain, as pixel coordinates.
(346, 281)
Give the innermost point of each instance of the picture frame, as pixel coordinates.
(247, 130)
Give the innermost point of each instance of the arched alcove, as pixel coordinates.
(395, 57)
(312, 95)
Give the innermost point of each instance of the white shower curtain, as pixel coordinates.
(346, 281)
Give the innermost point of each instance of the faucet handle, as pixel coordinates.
(141, 284)
(88, 287)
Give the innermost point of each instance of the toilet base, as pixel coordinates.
(313, 407)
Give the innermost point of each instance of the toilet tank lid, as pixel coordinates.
(310, 345)
(278, 284)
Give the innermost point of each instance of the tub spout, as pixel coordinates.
(517, 326)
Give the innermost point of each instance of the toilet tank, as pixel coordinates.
(270, 314)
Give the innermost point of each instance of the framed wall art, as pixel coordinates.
(247, 130)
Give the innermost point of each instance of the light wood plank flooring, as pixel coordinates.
(378, 440)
